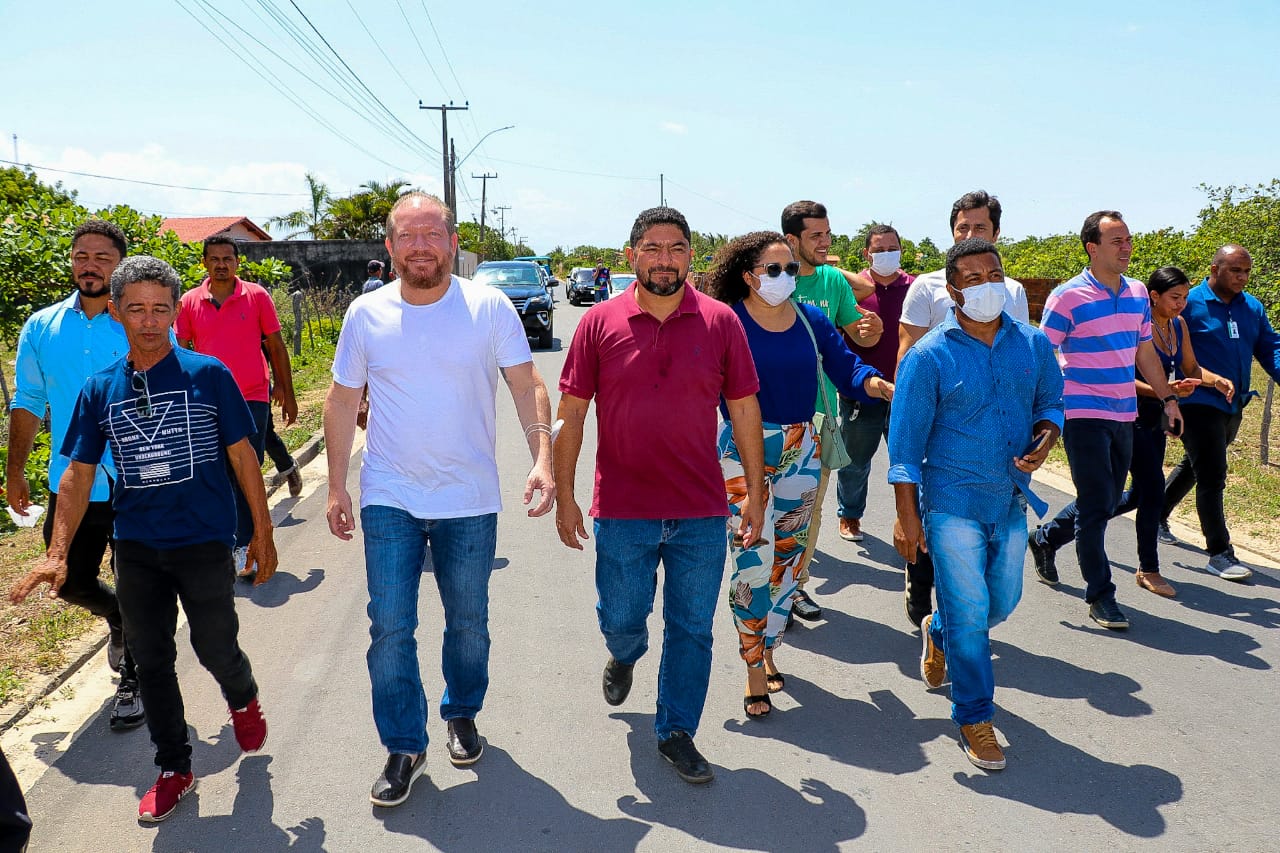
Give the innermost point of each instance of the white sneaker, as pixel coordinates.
(241, 557)
(1226, 566)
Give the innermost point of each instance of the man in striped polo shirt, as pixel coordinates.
(1100, 321)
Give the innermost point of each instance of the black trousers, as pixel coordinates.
(15, 823)
(1207, 430)
(276, 448)
(150, 585)
(84, 563)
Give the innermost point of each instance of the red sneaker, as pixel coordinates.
(250, 726)
(160, 801)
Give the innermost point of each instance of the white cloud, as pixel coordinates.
(674, 127)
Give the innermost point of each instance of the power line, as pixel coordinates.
(414, 33)
(283, 89)
(575, 171)
(750, 216)
(378, 45)
(150, 183)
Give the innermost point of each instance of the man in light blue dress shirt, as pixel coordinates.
(59, 348)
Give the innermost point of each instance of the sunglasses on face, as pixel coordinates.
(775, 270)
(142, 405)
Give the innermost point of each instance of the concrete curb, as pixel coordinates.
(1189, 535)
(93, 640)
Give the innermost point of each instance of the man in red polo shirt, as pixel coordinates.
(232, 319)
(657, 359)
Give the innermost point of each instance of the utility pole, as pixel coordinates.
(15, 148)
(501, 213)
(662, 191)
(453, 179)
(444, 143)
(484, 187)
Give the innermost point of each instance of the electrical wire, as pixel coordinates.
(149, 183)
(750, 216)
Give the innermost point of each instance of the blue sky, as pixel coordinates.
(883, 112)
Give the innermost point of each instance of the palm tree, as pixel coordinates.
(307, 221)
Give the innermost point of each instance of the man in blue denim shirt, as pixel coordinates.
(972, 396)
(1229, 329)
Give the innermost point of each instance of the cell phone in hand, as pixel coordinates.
(1036, 443)
(1172, 428)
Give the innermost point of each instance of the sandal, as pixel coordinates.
(776, 681)
(748, 701)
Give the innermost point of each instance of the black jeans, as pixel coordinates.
(1206, 432)
(15, 823)
(84, 564)
(1099, 452)
(1146, 489)
(244, 519)
(275, 446)
(150, 585)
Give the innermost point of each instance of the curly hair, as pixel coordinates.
(724, 281)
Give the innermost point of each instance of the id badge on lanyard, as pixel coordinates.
(1233, 329)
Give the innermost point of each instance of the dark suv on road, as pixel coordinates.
(523, 284)
(582, 286)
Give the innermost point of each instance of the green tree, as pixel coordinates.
(1250, 216)
(361, 215)
(19, 184)
(308, 220)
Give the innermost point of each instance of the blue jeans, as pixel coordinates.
(395, 554)
(1099, 453)
(861, 441)
(978, 576)
(692, 553)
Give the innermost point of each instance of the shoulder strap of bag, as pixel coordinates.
(822, 384)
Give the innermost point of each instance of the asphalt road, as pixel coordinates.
(1159, 738)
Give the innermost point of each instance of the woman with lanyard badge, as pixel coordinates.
(1168, 288)
(755, 274)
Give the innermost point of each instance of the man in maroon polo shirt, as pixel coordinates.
(863, 424)
(657, 359)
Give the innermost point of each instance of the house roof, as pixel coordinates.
(195, 229)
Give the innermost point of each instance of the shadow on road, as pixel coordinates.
(1109, 692)
(249, 825)
(504, 808)
(883, 735)
(1053, 776)
(849, 639)
(742, 809)
(282, 587)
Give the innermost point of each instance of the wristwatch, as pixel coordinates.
(1172, 398)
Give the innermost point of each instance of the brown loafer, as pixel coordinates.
(1152, 582)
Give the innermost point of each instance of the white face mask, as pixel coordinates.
(885, 263)
(983, 302)
(776, 290)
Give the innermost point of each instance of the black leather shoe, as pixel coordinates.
(804, 608)
(1108, 614)
(1042, 556)
(617, 681)
(684, 756)
(464, 744)
(127, 712)
(393, 786)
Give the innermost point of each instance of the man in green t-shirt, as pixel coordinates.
(808, 233)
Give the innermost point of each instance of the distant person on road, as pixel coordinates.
(808, 232)
(228, 318)
(176, 423)
(926, 305)
(755, 275)
(430, 351)
(1100, 323)
(657, 360)
(602, 283)
(1230, 330)
(59, 348)
(864, 423)
(374, 281)
(979, 405)
(1168, 288)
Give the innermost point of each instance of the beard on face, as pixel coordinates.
(92, 287)
(427, 280)
(660, 289)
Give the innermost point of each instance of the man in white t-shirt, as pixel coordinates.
(974, 214)
(430, 349)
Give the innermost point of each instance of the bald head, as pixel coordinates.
(418, 200)
(1229, 272)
